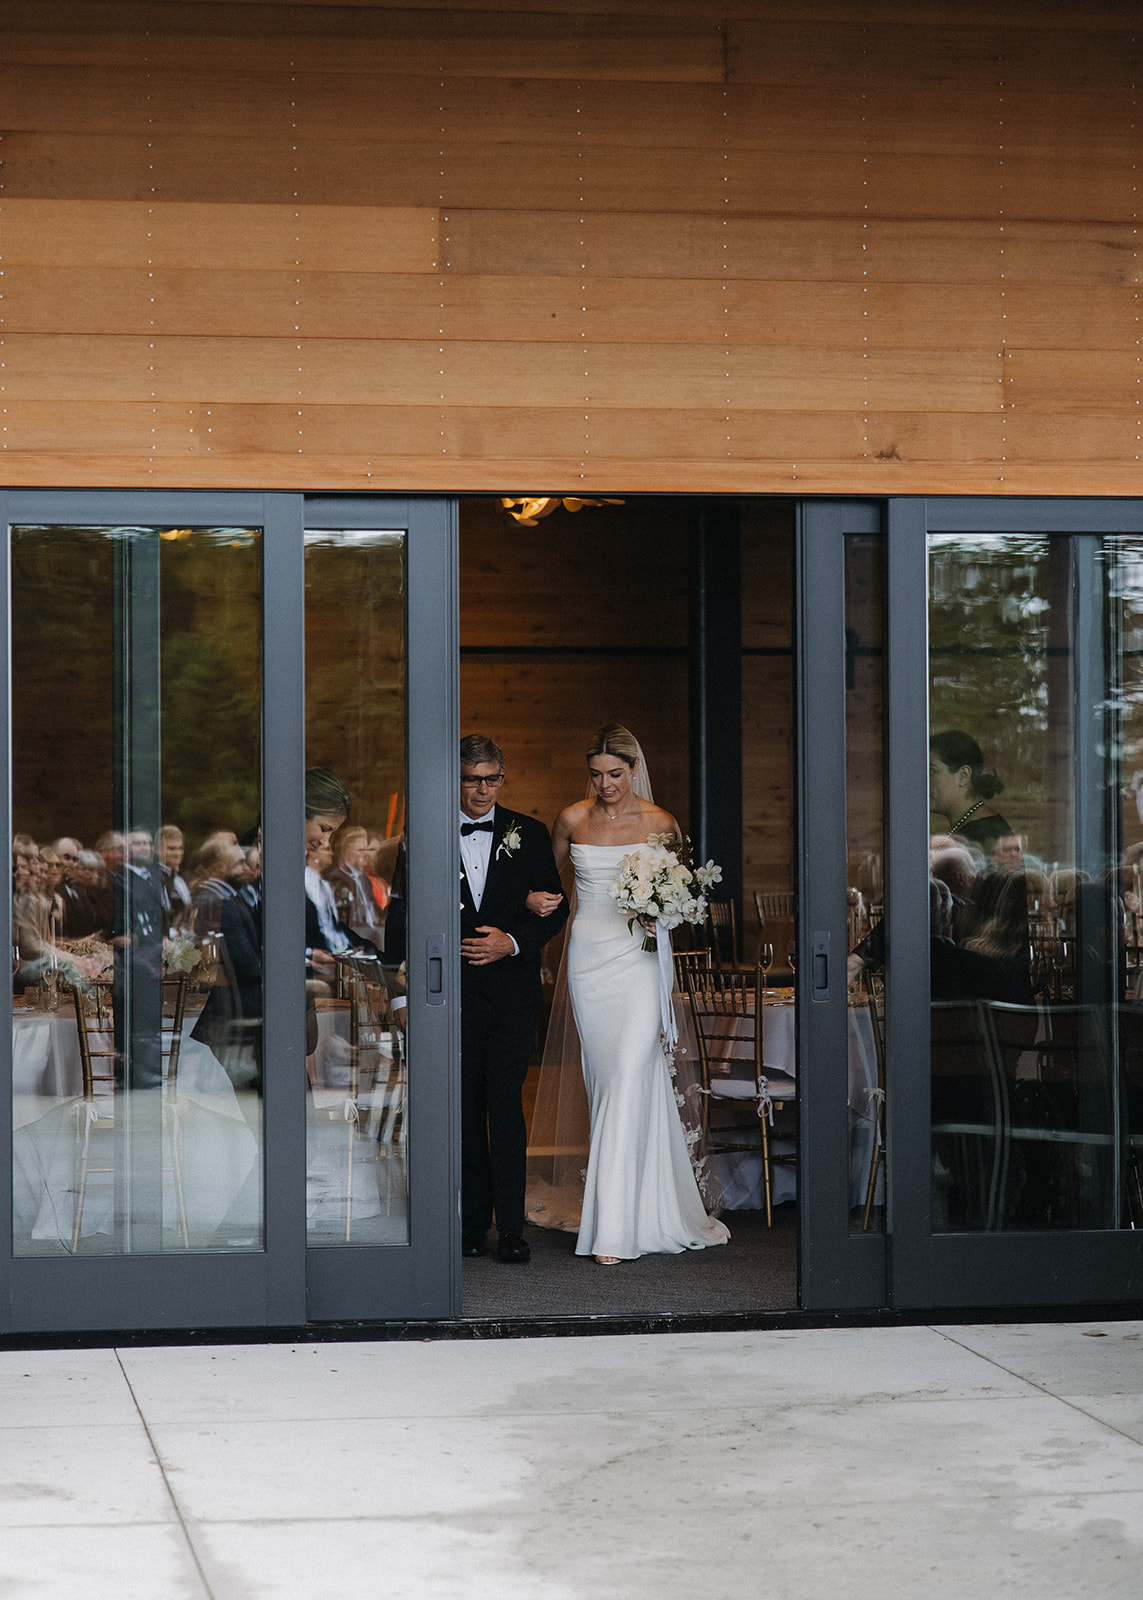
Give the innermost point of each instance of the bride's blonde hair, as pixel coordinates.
(615, 740)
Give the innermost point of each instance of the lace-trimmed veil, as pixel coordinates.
(558, 1145)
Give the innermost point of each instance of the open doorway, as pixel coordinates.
(595, 616)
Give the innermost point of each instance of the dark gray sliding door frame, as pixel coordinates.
(285, 1283)
(837, 1269)
(175, 1289)
(421, 1279)
(981, 1269)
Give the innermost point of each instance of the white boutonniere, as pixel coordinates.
(510, 843)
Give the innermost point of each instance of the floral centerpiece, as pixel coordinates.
(657, 883)
(180, 955)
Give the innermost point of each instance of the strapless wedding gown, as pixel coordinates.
(640, 1196)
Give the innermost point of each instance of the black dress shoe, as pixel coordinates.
(513, 1247)
(473, 1242)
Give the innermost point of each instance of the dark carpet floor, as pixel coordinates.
(756, 1271)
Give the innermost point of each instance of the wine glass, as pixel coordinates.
(792, 955)
(766, 961)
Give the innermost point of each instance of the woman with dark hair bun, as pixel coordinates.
(960, 789)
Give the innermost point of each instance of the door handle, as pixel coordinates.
(434, 969)
(820, 966)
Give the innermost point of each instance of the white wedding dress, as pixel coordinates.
(640, 1196)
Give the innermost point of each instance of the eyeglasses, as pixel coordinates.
(483, 783)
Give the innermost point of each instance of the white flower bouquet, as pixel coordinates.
(180, 955)
(656, 883)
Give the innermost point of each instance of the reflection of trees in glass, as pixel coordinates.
(211, 676)
(63, 661)
(989, 623)
(355, 666)
(61, 682)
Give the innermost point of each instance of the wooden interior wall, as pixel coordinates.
(583, 621)
(565, 627)
(786, 246)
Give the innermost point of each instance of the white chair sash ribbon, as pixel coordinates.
(350, 1111)
(666, 986)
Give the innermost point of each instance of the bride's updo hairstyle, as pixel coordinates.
(615, 740)
(955, 750)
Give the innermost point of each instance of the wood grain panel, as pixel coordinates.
(911, 118)
(219, 237)
(1017, 13)
(773, 51)
(810, 250)
(425, 41)
(397, 372)
(1081, 186)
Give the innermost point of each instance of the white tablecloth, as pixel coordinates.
(740, 1172)
(218, 1147)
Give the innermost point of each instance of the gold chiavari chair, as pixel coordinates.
(722, 932)
(95, 1112)
(697, 963)
(94, 1028)
(775, 924)
(729, 1026)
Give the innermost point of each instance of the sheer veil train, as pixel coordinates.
(558, 1146)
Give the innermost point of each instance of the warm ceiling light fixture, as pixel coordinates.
(528, 509)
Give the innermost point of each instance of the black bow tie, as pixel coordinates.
(476, 827)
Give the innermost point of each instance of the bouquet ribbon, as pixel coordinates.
(666, 986)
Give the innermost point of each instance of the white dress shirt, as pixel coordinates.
(321, 894)
(475, 854)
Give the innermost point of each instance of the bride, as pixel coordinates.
(641, 1196)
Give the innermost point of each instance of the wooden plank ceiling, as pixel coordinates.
(643, 245)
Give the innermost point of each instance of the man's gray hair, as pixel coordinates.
(478, 748)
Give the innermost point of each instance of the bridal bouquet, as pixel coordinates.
(657, 881)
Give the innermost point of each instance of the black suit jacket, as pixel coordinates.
(512, 875)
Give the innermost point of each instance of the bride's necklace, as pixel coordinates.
(966, 816)
(615, 815)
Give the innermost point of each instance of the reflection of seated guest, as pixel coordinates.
(169, 848)
(352, 891)
(968, 972)
(78, 911)
(1000, 935)
(371, 869)
(960, 789)
(324, 928)
(229, 1024)
(210, 885)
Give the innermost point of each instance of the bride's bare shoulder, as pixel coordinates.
(658, 820)
(573, 815)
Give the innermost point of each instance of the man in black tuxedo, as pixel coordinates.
(504, 857)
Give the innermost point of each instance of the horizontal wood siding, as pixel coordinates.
(634, 245)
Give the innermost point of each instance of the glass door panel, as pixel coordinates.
(137, 1011)
(1036, 724)
(865, 875)
(356, 888)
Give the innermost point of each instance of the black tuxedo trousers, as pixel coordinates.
(499, 1007)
